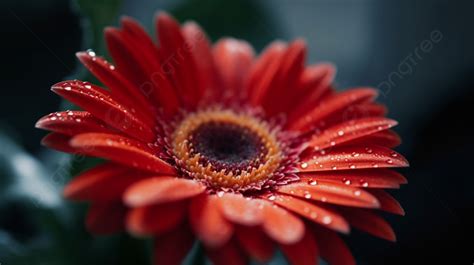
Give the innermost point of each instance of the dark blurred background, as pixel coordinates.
(418, 53)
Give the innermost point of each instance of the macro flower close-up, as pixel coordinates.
(247, 153)
(237, 132)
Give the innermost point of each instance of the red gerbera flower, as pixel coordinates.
(243, 153)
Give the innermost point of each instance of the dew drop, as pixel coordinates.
(340, 133)
(389, 161)
(304, 165)
(68, 88)
(272, 197)
(365, 184)
(313, 215)
(307, 196)
(357, 193)
(352, 166)
(347, 181)
(91, 53)
(327, 219)
(313, 182)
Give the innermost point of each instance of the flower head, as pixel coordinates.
(245, 153)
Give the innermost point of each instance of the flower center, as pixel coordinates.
(227, 150)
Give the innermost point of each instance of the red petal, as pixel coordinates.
(367, 178)
(233, 59)
(120, 87)
(106, 218)
(354, 112)
(369, 222)
(304, 252)
(172, 247)
(314, 82)
(348, 131)
(263, 72)
(240, 210)
(141, 39)
(201, 52)
(99, 102)
(282, 226)
(58, 142)
(207, 221)
(313, 212)
(329, 106)
(156, 219)
(71, 123)
(386, 138)
(122, 150)
(102, 183)
(142, 69)
(177, 59)
(229, 254)
(255, 243)
(278, 97)
(352, 157)
(387, 202)
(332, 247)
(331, 193)
(161, 190)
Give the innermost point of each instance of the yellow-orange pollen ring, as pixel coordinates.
(197, 167)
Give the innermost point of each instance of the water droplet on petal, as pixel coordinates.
(357, 193)
(327, 219)
(91, 53)
(304, 165)
(347, 181)
(313, 182)
(340, 133)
